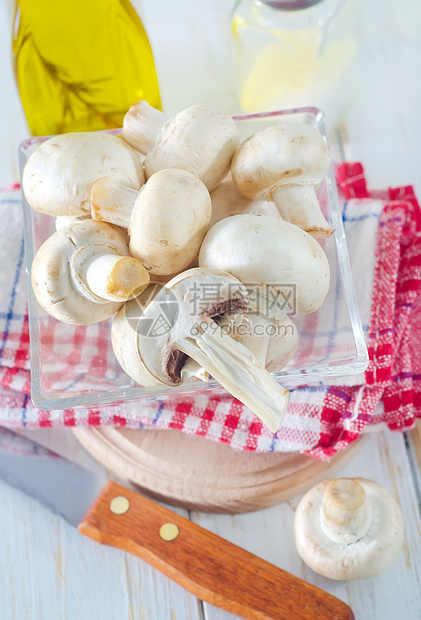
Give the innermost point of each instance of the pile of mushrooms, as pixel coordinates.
(180, 201)
(348, 528)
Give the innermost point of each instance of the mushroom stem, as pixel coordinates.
(141, 126)
(116, 278)
(112, 202)
(237, 370)
(298, 204)
(346, 515)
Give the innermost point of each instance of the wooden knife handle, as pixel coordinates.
(206, 565)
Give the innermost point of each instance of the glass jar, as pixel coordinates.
(292, 53)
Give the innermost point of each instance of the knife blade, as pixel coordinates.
(208, 566)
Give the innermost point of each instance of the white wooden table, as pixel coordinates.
(47, 570)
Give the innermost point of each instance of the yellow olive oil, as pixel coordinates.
(81, 64)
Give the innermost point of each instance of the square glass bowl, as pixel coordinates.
(74, 366)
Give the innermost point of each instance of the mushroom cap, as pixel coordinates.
(124, 337)
(58, 176)
(283, 344)
(200, 139)
(169, 221)
(262, 250)
(227, 201)
(364, 558)
(53, 280)
(67, 220)
(283, 154)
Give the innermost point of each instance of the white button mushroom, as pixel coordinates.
(283, 163)
(166, 220)
(259, 249)
(152, 344)
(58, 176)
(348, 528)
(272, 339)
(124, 341)
(227, 201)
(83, 273)
(200, 139)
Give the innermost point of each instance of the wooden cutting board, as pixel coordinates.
(198, 474)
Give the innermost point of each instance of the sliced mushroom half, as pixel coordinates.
(153, 344)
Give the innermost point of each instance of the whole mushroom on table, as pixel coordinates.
(149, 192)
(348, 528)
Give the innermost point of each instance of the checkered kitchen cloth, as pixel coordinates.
(383, 232)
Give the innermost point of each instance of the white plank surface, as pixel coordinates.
(396, 592)
(47, 570)
(77, 576)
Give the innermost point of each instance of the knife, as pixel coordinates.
(211, 568)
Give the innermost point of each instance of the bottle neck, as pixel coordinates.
(290, 5)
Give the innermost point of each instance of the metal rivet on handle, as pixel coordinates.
(119, 505)
(169, 531)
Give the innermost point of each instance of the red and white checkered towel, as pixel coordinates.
(383, 232)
